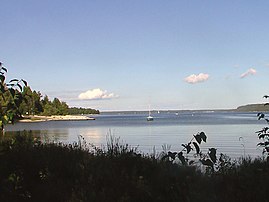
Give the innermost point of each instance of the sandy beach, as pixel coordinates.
(36, 118)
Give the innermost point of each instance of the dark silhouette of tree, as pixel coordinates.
(11, 98)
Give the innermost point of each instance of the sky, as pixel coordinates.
(129, 54)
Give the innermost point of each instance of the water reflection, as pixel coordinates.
(166, 129)
(91, 135)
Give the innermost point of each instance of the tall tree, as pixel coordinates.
(11, 98)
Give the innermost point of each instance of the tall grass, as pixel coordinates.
(34, 171)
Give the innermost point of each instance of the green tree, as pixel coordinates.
(75, 110)
(31, 104)
(37, 107)
(56, 107)
(11, 98)
(45, 100)
(49, 110)
(63, 109)
(26, 105)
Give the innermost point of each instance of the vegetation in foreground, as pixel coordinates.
(35, 171)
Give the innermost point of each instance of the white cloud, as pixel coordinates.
(96, 94)
(249, 72)
(192, 79)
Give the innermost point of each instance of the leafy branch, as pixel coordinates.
(208, 159)
(10, 98)
(263, 134)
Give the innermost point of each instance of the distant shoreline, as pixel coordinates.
(36, 118)
(242, 108)
(168, 111)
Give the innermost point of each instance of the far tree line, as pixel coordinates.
(18, 99)
(34, 103)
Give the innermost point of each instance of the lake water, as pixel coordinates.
(223, 130)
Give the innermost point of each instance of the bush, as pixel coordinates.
(35, 171)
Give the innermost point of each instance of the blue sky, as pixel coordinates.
(125, 54)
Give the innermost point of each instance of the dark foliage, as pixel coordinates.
(263, 134)
(34, 103)
(32, 171)
(11, 98)
(17, 99)
(80, 110)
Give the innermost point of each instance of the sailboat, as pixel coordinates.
(149, 118)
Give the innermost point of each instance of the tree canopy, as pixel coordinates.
(11, 98)
(36, 104)
(18, 99)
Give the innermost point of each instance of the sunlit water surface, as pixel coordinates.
(232, 133)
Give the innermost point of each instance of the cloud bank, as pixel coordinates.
(192, 79)
(251, 71)
(96, 94)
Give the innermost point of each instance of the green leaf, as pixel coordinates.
(24, 82)
(260, 116)
(261, 136)
(181, 158)
(5, 119)
(172, 155)
(12, 92)
(212, 154)
(207, 162)
(2, 78)
(263, 144)
(2, 88)
(203, 136)
(197, 148)
(198, 138)
(13, 80)
(3, 68)
(187, 147)
(10, 84)
(11, 117)
(19, 86)
(18, 99)
(17, 103)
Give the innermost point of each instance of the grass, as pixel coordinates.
(33, 171)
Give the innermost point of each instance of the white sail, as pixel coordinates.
(149, 118)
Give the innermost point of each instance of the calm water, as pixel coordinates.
(223, 130)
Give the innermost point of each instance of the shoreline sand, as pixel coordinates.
(36, 118)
